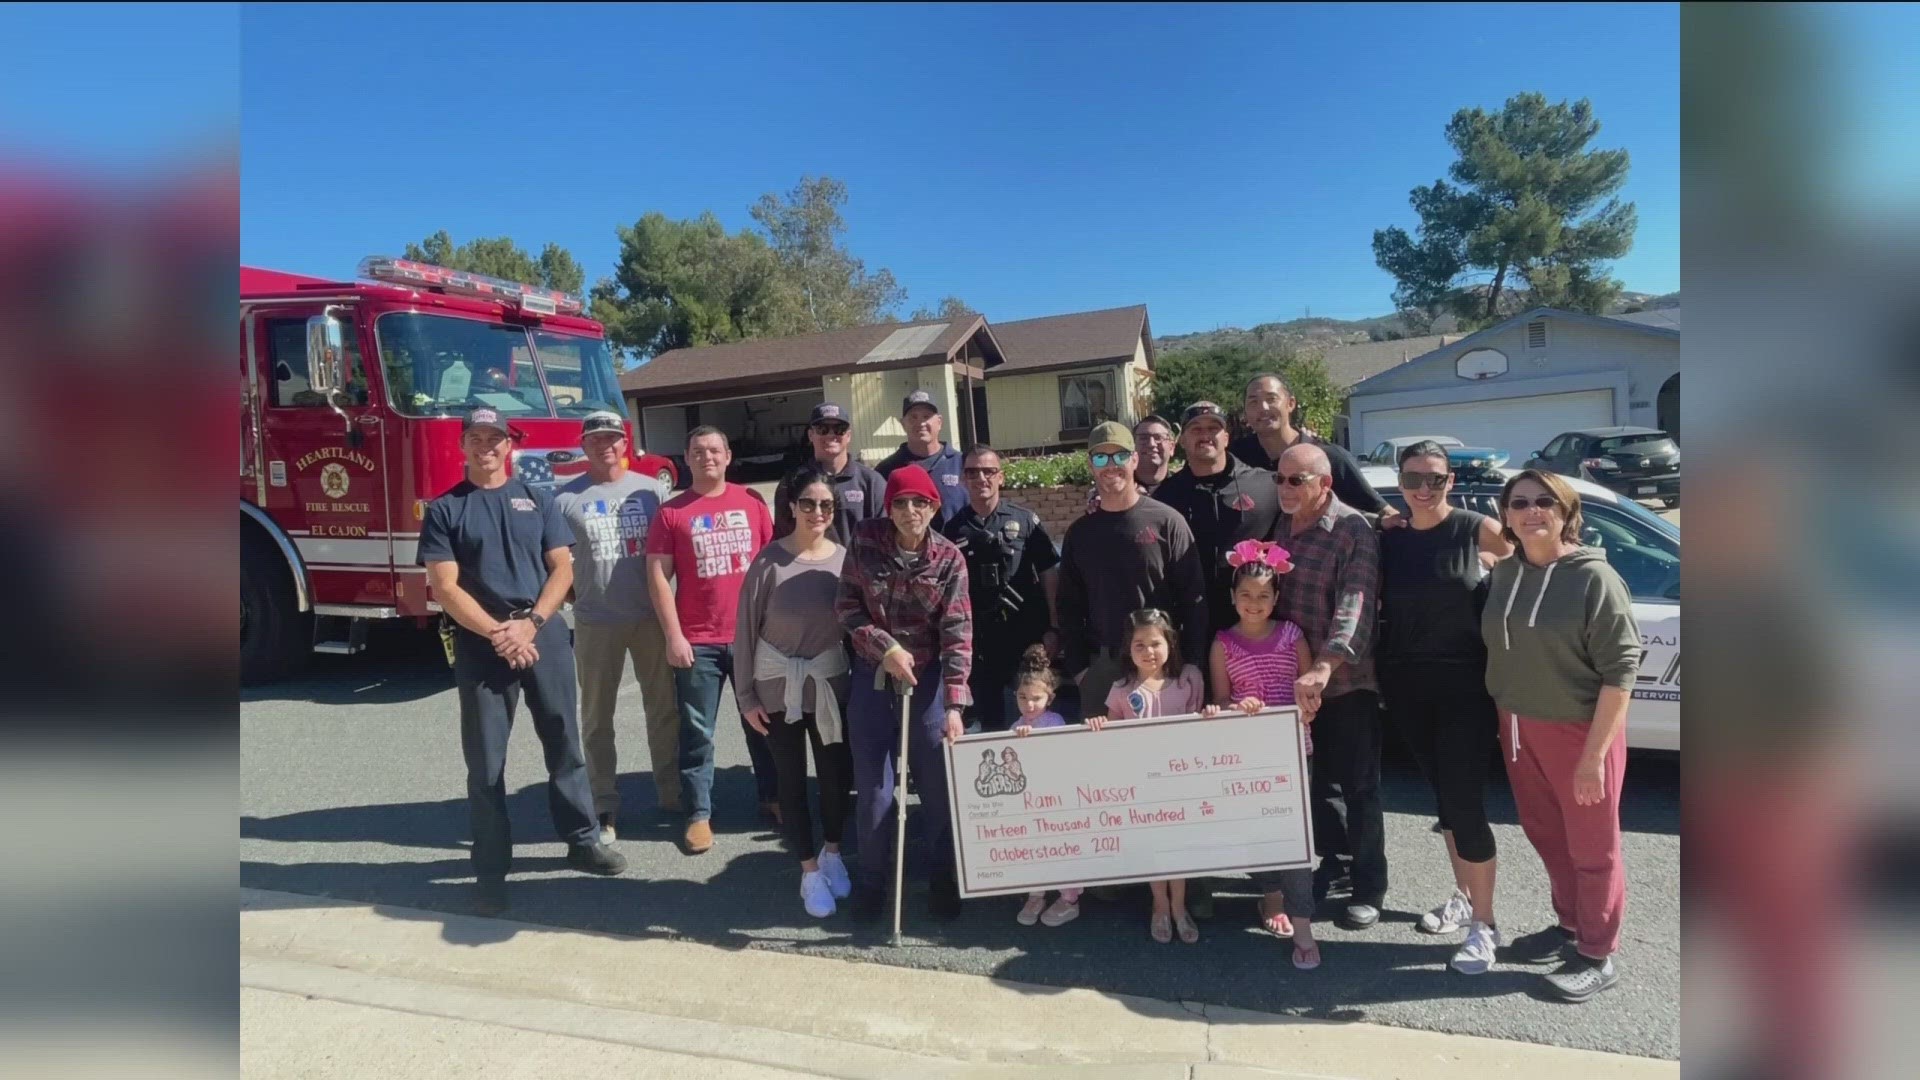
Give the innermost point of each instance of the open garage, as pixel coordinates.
(767, 431)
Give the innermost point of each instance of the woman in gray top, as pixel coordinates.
(788, 646)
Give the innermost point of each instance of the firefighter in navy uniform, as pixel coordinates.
(1011, 578)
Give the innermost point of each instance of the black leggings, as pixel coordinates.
(1452, 727)
(835, 765)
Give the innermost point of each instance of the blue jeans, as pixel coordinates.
(698, 689)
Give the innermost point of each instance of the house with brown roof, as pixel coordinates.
(1066, 373)
(762, 392)
(1021, 385)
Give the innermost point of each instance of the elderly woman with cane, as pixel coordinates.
(903, 602)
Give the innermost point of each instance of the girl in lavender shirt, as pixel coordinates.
(1034, 684)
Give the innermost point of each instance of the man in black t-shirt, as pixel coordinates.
(499, 561)
(1131, 553)
(1270, 432)
(1224, 501)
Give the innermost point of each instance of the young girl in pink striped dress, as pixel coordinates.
(1254, 666)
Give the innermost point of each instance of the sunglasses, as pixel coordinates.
(831, 430)
(1299, 479)
(1538, 502)
(815, 506)
(912, 502)
(1118, 457)
(1414, 481)
(976, 472)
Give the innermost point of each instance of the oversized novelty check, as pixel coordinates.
(1138, 801)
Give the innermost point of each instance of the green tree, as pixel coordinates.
(500, 257)
(1530, 223)
(951, 307)
(1219, 373)
(834, 289)
(683, 284)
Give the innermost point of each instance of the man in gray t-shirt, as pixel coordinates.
(609, 511)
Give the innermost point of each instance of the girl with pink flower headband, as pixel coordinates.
(1255, 663)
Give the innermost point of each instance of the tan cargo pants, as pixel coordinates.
(599, 652)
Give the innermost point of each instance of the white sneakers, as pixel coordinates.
(1448, 917)
(835, 872)
(1030, 911)
(816, 895)
(1476, 956)
(1061, 913)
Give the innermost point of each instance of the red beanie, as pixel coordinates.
(911, 480)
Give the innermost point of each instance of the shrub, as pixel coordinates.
(1051, 470)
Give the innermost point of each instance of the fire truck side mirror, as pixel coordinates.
(326, 348)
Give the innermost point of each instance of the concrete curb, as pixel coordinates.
(807, 1015)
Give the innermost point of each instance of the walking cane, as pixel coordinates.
(900, 807)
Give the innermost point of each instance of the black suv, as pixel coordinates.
(1637, 462)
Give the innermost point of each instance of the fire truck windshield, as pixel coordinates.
(579, 373)
(442, 366)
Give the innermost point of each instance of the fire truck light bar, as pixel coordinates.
(425, 275)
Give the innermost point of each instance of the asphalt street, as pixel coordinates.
(352, 787)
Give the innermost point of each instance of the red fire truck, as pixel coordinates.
(351, 398)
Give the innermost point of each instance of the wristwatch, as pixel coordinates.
(538, 620)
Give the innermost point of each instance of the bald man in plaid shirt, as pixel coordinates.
(1333, 595)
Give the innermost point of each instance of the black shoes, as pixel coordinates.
(943, 902)
(869, 905)
(1541, 946)
(490, 898)
(596, 859)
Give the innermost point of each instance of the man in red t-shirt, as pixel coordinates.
(706, 538)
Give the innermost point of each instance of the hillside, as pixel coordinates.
(1318, 333)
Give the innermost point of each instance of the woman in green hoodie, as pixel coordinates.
(1562, 652)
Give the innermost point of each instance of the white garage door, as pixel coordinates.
(1519, 425)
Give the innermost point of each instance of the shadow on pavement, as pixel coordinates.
(401, 663)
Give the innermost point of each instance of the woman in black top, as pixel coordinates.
(1432, 665)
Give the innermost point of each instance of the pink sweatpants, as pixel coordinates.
(1580, 845)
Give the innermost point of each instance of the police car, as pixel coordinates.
(1642, 547)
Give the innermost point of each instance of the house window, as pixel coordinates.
(1537, 334)
(1085, 400)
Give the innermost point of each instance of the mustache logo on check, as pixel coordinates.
(1000, 775)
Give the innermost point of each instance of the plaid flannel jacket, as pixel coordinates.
(1333, 593)
(918, 602)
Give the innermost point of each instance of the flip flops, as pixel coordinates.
(1277, 924)
(1305, 960)
(1162, 927)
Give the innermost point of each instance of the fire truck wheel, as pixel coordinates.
(273, 632)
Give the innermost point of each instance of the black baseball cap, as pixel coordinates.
(918, 397)
(485, 417)
(595, 423)
(828, 410)
(1202, 408)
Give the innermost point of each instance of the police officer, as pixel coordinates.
(499, 561)
(1011, 578)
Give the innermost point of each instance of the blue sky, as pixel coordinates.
(112, 87)
(1224, 165)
